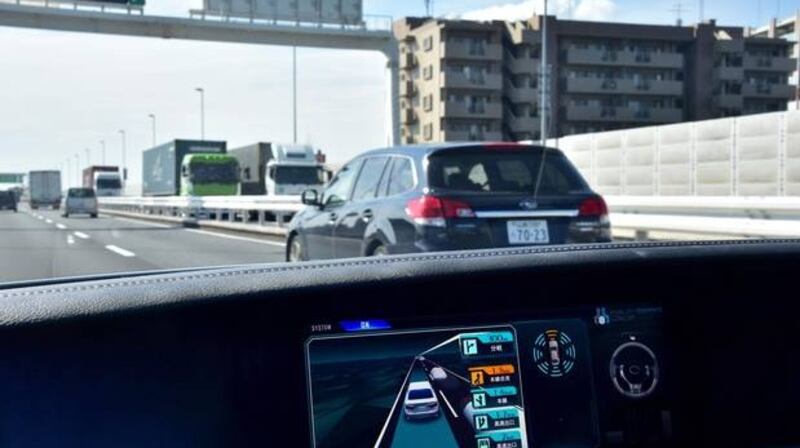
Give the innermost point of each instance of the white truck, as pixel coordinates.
(44, 189)
(278, 169)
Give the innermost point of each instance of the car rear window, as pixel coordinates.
(81, 193)
(503, 171)
(419, 394)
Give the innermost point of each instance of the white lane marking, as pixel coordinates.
(39, 217)
(397, 399)
(82, 235)
(234, 237)
(449, 406)
(49, 221)
(70, 240)
(120, 251)
(143, 221)
(61, 226)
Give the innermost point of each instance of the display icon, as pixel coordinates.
(481, 422)
(479, 400)
(476, 377)
(469, 347)
(484, 443)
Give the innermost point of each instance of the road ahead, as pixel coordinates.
(37, 244)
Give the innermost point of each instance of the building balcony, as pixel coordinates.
(407, 88)
(624, 86)
(729, 45)
(466, 50)
(522, 94)
(523, 65)
(458, 80)
(624, 114)
(729, 73)
(728, 101)
(407, 116)
(467, 136)
(772, 64)
(579, 56)
(407, 61)
(452, 109)
(523, 124)
(780, 91)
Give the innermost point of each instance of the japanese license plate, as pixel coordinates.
(528, 232)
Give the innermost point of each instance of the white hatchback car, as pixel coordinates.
(80, 200)
(421, 401)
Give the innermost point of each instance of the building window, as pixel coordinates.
(427, 44)
(428, 131)
(427, 103)
(427, 72)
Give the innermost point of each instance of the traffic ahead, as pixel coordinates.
(448, 197)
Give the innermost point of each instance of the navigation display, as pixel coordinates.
(449, 388)
(581, 378)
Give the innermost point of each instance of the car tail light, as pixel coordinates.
(432, 211)
(593, 207)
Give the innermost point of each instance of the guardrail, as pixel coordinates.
(692, 217)
(260, 214)
(632, 217)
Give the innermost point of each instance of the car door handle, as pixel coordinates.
(366, 215)
(332, 217)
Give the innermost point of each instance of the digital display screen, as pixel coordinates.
(565, 380)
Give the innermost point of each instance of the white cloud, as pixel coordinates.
(578, 9)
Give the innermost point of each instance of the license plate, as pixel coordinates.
(528, 232)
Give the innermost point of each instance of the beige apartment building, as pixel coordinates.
(464, 80)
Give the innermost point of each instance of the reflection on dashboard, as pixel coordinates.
(578, 377)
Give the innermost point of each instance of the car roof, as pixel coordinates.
(419, 385)
(422, 150)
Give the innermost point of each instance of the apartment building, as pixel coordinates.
(789, 29)
(464, 80)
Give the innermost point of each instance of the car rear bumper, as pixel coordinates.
(81, 210)
(427, 413)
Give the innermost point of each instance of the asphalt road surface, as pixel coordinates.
(40, 244)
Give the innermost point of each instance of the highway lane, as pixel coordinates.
(36, 244)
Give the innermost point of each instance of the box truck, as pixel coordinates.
(276, 169)
(44, 189)
(106, 180)
(190, 168)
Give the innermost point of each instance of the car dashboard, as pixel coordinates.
(653, 344)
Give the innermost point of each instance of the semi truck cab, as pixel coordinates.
(209, 175)
(108, 184)
(295, 168)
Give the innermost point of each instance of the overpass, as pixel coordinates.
(93, 17)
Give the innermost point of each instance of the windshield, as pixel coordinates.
(289, 131)
(214, 173)
(488, 172)
(81, 193)
(419, 394)
(109, 183)
(303, 175)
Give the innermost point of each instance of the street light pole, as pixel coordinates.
(78, 169)
(124, 164)
(202, 112)
(543, 86)
(294, 94)
(153, 120)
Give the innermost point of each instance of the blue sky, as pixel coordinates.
(64, 92)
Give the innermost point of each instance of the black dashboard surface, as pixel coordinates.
(236, 356)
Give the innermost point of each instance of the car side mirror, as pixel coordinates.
(310, 197)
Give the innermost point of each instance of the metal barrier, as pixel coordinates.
(632, 217)
(260, 214)
(695, 217)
